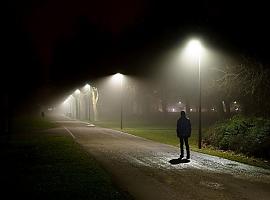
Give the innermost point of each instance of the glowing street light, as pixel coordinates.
(77, 101)
(119, 78)
(194, 48)
(87, 87)
(77, 92)
(66, 100)
(67, 106)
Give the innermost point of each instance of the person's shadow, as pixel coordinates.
(178, 161)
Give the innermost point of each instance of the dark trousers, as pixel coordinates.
(182, 141)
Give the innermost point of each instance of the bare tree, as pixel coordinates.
(248, 82)
(94, 101)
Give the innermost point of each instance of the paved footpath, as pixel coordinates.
(143, 168)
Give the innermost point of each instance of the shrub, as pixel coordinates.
(247, 135)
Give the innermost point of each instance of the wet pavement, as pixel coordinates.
(149, 170)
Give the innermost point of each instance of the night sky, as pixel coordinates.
(55, 45)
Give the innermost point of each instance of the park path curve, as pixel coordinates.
(142, 168)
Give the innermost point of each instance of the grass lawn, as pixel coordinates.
(38, 165)
(167, 134)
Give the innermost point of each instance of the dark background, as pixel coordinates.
(52, 46)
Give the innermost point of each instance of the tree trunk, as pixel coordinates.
(228, 109)
(94, 101)
(220, 109)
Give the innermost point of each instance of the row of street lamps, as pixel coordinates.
(75, 96)
(194, 47)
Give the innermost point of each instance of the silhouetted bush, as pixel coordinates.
(247, 135)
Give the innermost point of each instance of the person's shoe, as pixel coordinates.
(181, 157)
(188, 157)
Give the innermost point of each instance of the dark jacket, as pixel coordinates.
(183, 127)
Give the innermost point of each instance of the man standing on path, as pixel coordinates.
(183, 132)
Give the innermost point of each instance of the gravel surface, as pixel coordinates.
(150, 170)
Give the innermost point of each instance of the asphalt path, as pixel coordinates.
(149, 170)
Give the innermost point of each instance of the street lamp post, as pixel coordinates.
(119, 77)
(200, 103)
(69, 102)
(77, 103)
(121, 102)
(69, 107)
(89, 105)
(194, 47)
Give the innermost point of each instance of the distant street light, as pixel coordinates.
(77, 92)
(77, 101)
(69, 99)
(67, 103)
(119, 78)
(194, 47)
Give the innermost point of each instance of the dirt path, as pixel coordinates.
(142, 168)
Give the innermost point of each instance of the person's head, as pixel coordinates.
(183, 114)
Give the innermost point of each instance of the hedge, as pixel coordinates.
(246, 135)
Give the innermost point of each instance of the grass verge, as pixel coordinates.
(167, 135)
(43, 165)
